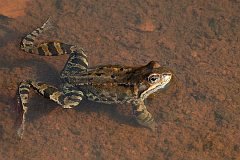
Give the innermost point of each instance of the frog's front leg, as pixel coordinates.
(65, 98)
(143, 116)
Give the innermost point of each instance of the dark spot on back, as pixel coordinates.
(131, 72)
(99, 74)
(102, 95)
(121, 69)
(120, 99)
(90, 79)
(113, 76)
(110, 99)
(112, 95)
(125, 84)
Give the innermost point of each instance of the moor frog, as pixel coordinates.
(106, 84)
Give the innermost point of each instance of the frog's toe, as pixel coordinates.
(152, 126)
(149, 123)
(67, 106)
(70, 104)
(20, 131)
(48, 24)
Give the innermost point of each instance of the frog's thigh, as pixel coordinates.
(66, 100)
(76, 63)
(143, 116)
(73, 96)
(52, 93)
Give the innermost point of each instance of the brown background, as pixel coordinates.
(198, 117)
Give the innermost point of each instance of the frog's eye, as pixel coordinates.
(153, 78)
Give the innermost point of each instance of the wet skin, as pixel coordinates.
(105, 84)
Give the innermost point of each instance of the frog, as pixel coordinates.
(110, 84)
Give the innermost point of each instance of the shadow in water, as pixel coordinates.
(119, 113)
(45, 72)
(6, 33)
(38, 106)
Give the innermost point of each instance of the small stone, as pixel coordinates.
(117, 38)
(224, 72)
(221, 97)
(194, 54)
(147, 26)
(65, 148)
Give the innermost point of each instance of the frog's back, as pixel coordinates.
(107, 84)
(101, 75)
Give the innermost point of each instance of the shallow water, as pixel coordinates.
(198, 117)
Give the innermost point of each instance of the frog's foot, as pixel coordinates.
(22, 99)
(47, 25)
(144, 117)
(66, 100)
(27, 43)
(46, 48)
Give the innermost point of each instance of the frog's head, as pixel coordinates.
(154, 77)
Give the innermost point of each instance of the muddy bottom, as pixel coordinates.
(197, 118)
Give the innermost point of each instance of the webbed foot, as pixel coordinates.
(143, 116)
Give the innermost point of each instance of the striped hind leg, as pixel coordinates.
(66, 99)
(76, 63)
(54, 48)
(27, 43)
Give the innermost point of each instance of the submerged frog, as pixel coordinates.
(106, 84)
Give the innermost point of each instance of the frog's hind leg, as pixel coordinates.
(76, 63)
(54, 48)
(66, 99)
(28, 43)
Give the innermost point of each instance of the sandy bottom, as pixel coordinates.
(198, 117)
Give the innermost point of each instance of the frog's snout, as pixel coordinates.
(167, 77)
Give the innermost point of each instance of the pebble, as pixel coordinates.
(221, 97)
(147, 26)
(194, 54)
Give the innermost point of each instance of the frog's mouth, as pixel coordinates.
(166, 78)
